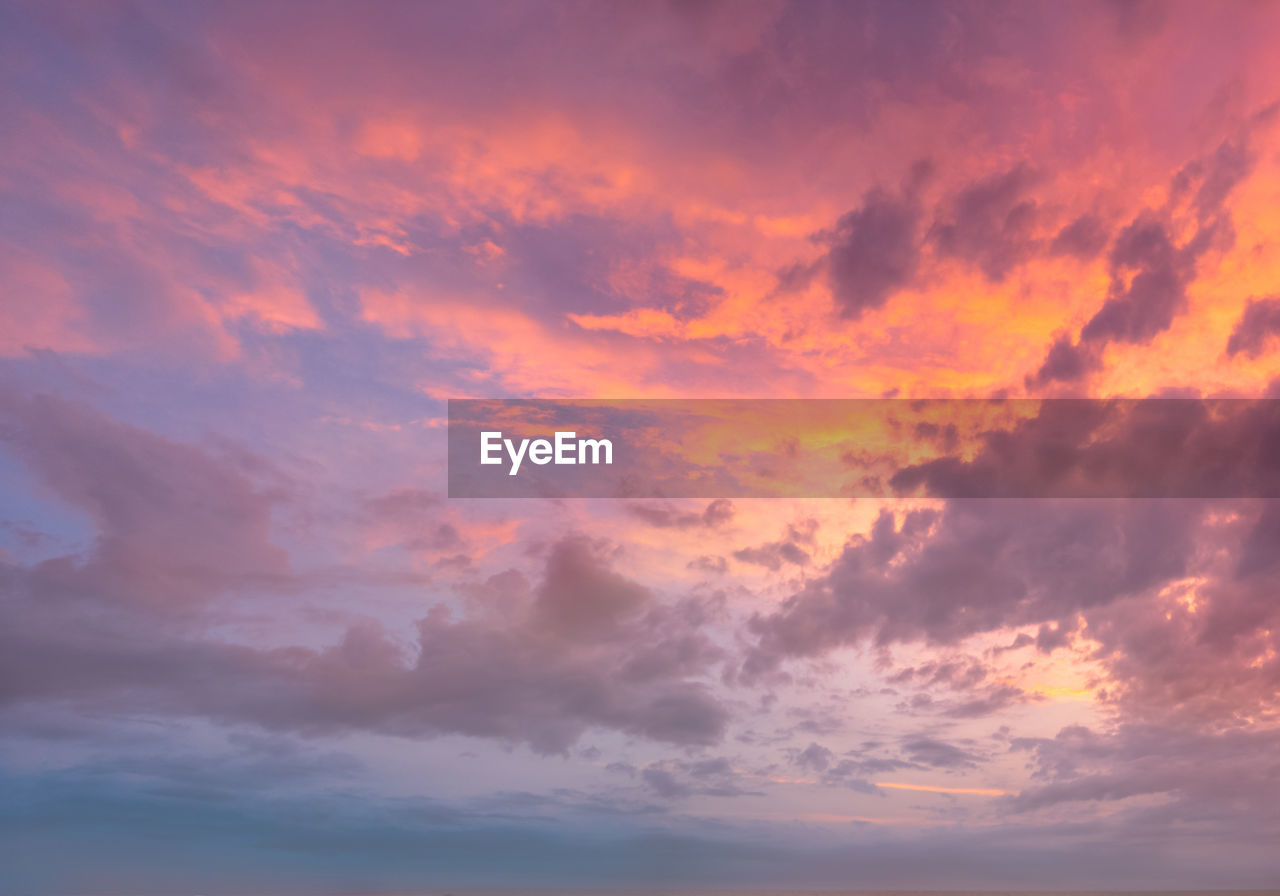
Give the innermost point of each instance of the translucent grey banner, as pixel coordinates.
(871, 448)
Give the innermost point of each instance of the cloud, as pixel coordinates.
(210, 227)
(875, 252)
(973, 691)
(1203, 653)
(1083, 238)
(707, 563)
(986, 701)
(664, 783)
(854, 769)
(991, 223)
(939, 754)
(1157, 274)
(677, 779)
(1066, 362)
(238, 838)
(582, 599)
(939, 576)
(1137, 20)
(1150, 270)
(717, 513)
(1169, 598)
(772, 555)
(958, 674)
(586, 648)
(1198, 777)
(178, 529)
(815, 757)
(1257, 326)
(789, 549)
(175, 525)
(1214, 178)
(1157, 448)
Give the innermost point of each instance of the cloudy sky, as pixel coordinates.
(247, 642)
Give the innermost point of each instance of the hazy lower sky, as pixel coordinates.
(247, 250)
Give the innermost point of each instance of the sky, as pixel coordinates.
(248, 643)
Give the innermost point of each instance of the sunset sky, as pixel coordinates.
(248, 644)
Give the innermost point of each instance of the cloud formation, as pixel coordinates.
(247, 251)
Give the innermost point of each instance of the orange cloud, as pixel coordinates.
(934, 788)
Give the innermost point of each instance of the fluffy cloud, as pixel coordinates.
(178, 528)
(588, 648)
(939, 576)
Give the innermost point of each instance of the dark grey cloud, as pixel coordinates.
(844, 772)
(676, 779)
(849, 774)
(941, 575)
(773, 555)
(856, 768)
(1257, 326)
(707, 563)
(966, 682)
(991, 223)
(664, 783)
(788, 549)
(955, 673)
(1150, 270)
(815, 757)
(1154, 448)
(936, 753)
(875, 252)
(995, 223)
(875, 248)
(664, 516)
(984, 702)
(1083, 238)
(1211, 180)
(1066, 362)
(1149, 279)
